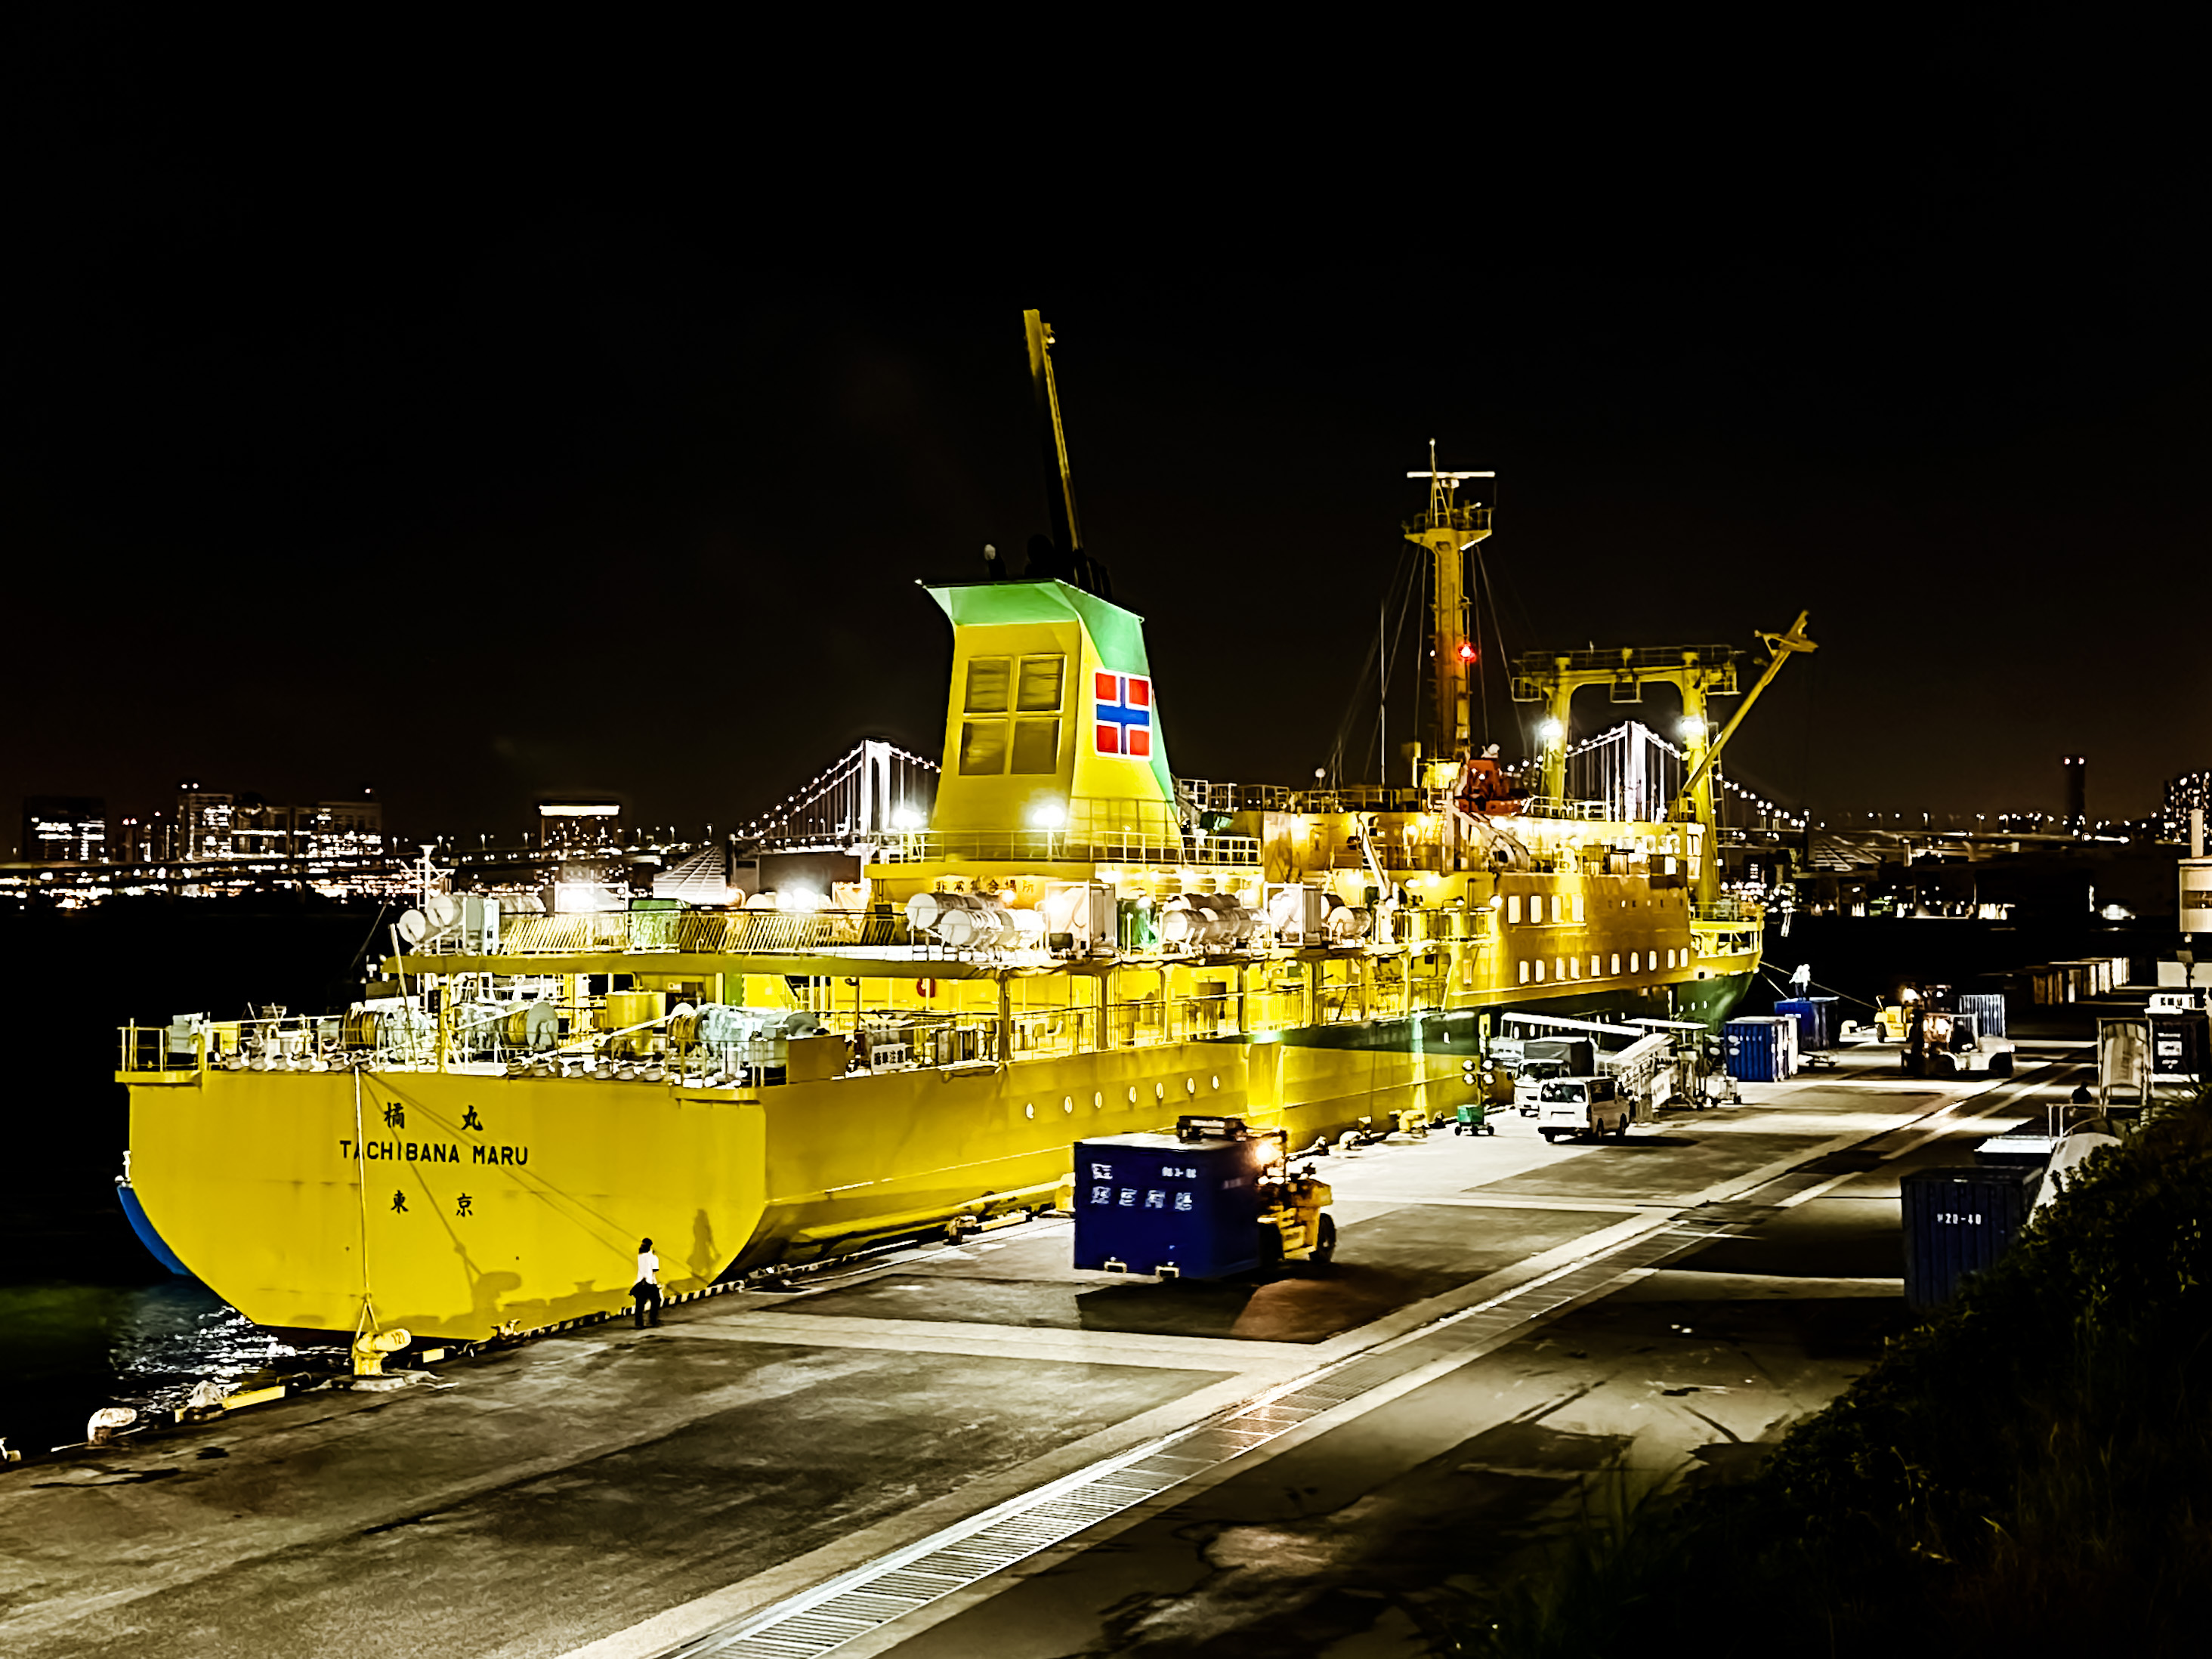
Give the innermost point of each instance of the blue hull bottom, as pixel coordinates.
(135, 1212)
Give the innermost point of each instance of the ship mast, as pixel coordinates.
(1446, 531)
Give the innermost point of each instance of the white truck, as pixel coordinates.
(1568, 1108)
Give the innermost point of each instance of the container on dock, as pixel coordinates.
(1988, 1008)
(1816, 1021)
(1799, 1009)
(2086, 976)
(2047, 985)
(1761, 1047)
(1829, 1011)
(1959, 1220)
(1154, 1203)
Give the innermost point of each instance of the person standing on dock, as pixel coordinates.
(646, 1292)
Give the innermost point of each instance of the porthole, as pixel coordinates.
(1190, 1086)
(1160, 1092)
(1029, 1110)
(1099, 1100)
(1217, 1083)
(1132, 1094)
(1067, 1103)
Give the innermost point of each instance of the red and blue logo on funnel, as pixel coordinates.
(1122, 713)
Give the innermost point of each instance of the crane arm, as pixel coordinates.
(1784, 646)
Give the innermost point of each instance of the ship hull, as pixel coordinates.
(1712, 1000)
(455, 1203)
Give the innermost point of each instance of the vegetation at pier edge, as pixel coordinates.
(2028, 1472)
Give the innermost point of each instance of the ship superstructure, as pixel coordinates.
(1077, 945)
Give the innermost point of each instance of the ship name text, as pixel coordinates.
(433, 1152)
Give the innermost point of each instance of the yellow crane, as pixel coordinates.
(1698, 673)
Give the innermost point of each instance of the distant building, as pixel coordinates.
(203, 820)
(209, 825)
(2190, 789)
(588, 835)
(342, 829)
(150, 840)
(2077, 794)
(578, 826)
(65, 829)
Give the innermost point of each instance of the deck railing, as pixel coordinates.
(1068, 845)
(703, 933)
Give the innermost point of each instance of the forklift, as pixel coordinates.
(1941, 1041)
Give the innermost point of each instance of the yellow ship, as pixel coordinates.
(1075, 945)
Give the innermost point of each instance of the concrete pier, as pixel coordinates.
(977, 1449)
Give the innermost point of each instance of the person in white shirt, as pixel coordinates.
(646, 1292)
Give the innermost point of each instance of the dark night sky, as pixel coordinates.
(491, 428)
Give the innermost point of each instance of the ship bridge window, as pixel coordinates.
(987, 679)
(1635, 963)
(1036, 746)
(1513, 907)
(983, 748)
(1616, 961)
(1597, 972)
(1037, 689)
(1578, 907)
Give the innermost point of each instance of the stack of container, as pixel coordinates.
(1761, 1048)
(2078, 980)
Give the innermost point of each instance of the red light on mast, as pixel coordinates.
(1466, 652)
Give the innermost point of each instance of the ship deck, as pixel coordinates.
(977, 1449)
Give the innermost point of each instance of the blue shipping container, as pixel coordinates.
(1152, 1201)
(1825, 1018)
(1988, 1008)
(1958, 1221)
(1813, 1015)
(1760, 1049)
